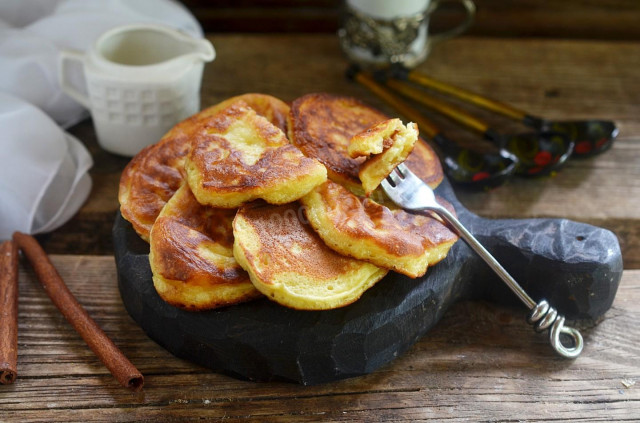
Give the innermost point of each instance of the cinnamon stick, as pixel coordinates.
(8, 312)
(121, 368)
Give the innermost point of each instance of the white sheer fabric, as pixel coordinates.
(44, 170)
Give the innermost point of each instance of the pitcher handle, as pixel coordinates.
(66, 58)
(470, 9)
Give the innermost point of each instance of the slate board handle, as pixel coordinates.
(576, 267)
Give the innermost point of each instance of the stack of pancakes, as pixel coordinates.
(253, 198)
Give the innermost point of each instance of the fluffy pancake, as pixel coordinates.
(386, 144)
(154, 174)
(191, 256)
(291, 265)
(322, 125)
(240, 156)
(361, 228)
(272, 109)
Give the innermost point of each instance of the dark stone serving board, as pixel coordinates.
(576, 267)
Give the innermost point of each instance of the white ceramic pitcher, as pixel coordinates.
(140, 81)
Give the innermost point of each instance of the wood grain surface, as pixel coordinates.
(552, 78)
(480, 363)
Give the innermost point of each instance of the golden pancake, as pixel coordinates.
(191, 256)
(386, 144)
(240, 156)
(291, 265)
(361, 228)
(271, 108)
(322, 125)
(154, 174)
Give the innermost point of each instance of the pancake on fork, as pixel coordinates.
(240, 156)
(291, 265)
(387, 237)
(191, 256)
(154, 174)
(322, 126)
(386, 145)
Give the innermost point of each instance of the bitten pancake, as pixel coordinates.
(361, 228)
(322, 125)
(154, 174)
(291, 265)
(191, 256)
(386, 144)
(240, 156)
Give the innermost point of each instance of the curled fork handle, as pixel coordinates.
(541, 315)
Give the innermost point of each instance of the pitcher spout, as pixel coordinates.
(203, 50)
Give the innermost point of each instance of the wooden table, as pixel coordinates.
(481, 362)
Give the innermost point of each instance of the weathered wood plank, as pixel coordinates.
(481, 362)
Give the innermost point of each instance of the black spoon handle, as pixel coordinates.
(426, 126)
(454, 113)
(450, 152)
(465, 95)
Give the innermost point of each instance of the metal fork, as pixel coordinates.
(408, 191)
